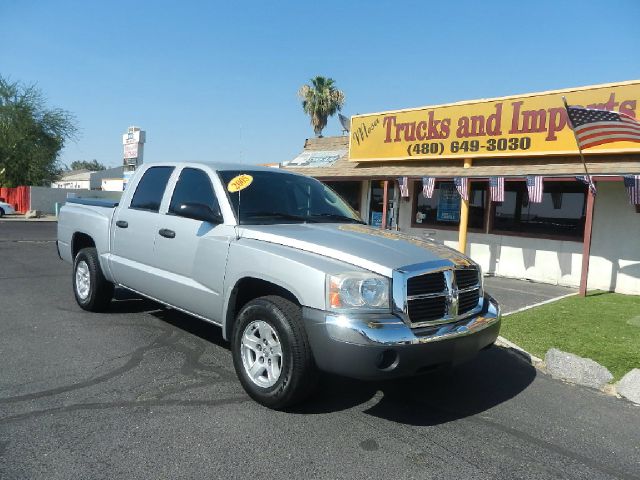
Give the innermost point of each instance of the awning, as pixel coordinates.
(513, 167)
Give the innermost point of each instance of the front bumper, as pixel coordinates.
(383, 346)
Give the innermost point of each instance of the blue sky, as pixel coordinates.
(218, 80)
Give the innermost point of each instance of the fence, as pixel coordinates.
(44, 199)
(18, 197)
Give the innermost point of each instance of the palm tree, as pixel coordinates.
(321, 100)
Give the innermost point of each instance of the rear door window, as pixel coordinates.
(150, 189)
(194, 186)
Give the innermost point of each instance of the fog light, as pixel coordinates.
(387, 360)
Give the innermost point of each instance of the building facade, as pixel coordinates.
(571, 237)
(75, 179)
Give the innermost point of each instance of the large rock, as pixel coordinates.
(629, 385)
(575, 369)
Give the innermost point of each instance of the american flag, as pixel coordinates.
(583, 179)
(632, 183)
(462, 185)
(428, 184)
(496, 186)
(595, 127)
(404, 186)
(534, 186)
(587, 181)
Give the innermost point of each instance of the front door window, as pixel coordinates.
(376, 202)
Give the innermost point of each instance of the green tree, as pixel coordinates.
(93, 165)
(31, 135)
(321, 100)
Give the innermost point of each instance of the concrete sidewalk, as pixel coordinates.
(515, 294)
(19, 217)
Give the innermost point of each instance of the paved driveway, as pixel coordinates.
(516, 294)
(144, 392)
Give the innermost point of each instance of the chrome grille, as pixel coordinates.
(425, 284)
(467, 301)
(466, 278)
(427, 309)
(442, 296)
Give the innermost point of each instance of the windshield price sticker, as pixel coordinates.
(239, 183)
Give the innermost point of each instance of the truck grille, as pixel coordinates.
(466, 278)
(443, 296)
(427, 309)
(424, 284)
(468, 301)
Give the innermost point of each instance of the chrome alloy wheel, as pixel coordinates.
(261, 353)
(83, 280)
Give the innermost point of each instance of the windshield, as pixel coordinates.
(276, 197)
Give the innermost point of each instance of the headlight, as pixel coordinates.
(364, 291)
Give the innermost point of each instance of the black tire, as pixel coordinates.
(100, 291)
(299, 374)
(1, 212)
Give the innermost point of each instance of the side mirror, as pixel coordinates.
(199, 211)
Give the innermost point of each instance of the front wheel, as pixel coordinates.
(271, 352)
(93, 292)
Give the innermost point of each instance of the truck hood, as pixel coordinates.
(380, 251)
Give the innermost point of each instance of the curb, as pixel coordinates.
(18, 219)
(521, 352)
(538, 363)
(609, 389)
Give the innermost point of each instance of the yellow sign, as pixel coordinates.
(525, 125)
(239, 183)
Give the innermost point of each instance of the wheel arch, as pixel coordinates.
(247, 289)
(81, 240)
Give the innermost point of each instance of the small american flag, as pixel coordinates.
(428, 184)
(462, 185)
(583, 179)
(496, 186)
(587, 181)
(632, 184)
(595, 127)
(404, 186)
(534, 186)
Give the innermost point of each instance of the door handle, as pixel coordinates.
(165, 232)
(122, 224)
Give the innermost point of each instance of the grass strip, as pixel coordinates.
(602, 326)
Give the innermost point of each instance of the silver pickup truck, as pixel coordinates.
(286, 268)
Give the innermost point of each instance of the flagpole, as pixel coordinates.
(588, 225)
(584, 163)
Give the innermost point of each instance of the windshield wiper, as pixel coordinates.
(336, 216)
(283, 215)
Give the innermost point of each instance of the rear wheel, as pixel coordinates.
(1, 212)
(92, 291)
(271, 352)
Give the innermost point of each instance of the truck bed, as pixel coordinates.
(95, 202)
(85, 216)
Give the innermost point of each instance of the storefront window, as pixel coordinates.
(443, 208)
(560, 214)
(349, 191)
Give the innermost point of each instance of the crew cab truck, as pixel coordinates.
(297, 282)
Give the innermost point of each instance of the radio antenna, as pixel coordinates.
(238, 227)
(241, 159)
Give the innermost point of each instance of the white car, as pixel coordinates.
(6, 209)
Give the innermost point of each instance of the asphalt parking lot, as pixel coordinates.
(146, 392)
